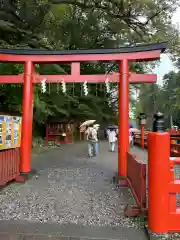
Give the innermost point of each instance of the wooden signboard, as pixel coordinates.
(10, 132)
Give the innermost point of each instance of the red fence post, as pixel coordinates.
(67, 134)
(158, 180)
(47, 131)
(142, 135)
(172, 197)
(80, 137)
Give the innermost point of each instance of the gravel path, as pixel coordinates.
(69, 189)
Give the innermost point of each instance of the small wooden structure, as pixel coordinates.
(10, 141)
(59, 131)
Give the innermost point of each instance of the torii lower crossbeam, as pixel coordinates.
(100, 78)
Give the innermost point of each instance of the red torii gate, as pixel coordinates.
(122, 55)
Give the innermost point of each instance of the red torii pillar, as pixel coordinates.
(123, 131)
(27, 118)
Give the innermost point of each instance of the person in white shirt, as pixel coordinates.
(112, 138)
(95, 134)
(131, 137)
(92, 139)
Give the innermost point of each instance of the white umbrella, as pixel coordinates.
(96, 125)
(83, 129)
(135, 130)
(86, 123)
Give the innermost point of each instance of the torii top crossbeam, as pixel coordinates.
(138, 52)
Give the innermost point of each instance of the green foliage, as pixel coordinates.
(76, 24)
(165, 98)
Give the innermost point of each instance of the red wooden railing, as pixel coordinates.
(137, 138)
(174, 147)
(174, 132)
(163, 210)
(9, 165)
(163, 213)
(174, 188)
(136, 179)
(175, 150)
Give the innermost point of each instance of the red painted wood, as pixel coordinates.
(174, 212)
(136, 174)
(164, 216)
(142, 135)
(123, 136)
(174, 220)
(9, 164)
(174, 148)
(75, 68)
(134, 78)
(158, 181)
(140, 56)
(172, 196)
(26, 139)
(174, 186)
(53, 131)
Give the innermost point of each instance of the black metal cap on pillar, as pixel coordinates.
(142, 119)
(158, 122)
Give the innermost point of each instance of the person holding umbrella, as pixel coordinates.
(96, 128)
(91, 134)
(92, 139)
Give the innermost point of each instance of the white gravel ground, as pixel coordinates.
(81, 192)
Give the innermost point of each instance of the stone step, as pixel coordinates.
(37, 231)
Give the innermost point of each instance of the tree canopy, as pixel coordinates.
(30, 22)
(164, 98)
(79, 24)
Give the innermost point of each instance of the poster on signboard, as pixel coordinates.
(1, 133)
(16, 133)
(17, 136)
(8, 139)
(10, 134)
(1, 130)
(1, 119)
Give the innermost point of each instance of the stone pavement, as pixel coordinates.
(71, 197)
